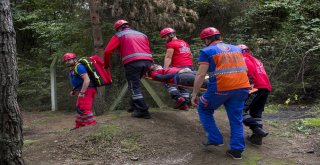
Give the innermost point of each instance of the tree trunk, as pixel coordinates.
(100, 103)
(96, 27)
(11, 138)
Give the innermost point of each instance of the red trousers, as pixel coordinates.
(84, 109)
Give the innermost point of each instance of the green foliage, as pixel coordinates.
(285, 35)
(46, 29)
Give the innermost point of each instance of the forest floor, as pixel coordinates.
(170, 137)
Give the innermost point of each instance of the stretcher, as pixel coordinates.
(252, 90)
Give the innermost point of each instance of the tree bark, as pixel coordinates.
(11, 138)
(96, 26)
(100, 103)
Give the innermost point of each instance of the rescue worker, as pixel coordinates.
(178, 54)
(135, 53)
(84, 88)
(254, 105)
(174, 76)
(228, 85)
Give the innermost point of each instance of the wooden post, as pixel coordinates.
(53, 82)
(120, 97)
(150, 90)
(153, 94)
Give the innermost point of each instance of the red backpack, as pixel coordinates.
(95, 68)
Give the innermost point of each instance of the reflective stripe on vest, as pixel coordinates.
(125, 32)
(136, 54)
(228, 70)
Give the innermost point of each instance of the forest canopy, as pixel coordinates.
(284, 34)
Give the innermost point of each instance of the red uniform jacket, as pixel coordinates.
(132, 46)
(257, 72)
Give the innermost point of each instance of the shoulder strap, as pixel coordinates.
(76, 68)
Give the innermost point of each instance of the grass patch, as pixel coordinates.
(129, 145)
(40, 121)
(29, 142)
(315, 122)
(307, 126)
(278, 162)
(274, 124)
(254, 158)
(316, 107)
(115, 114)
(104, 134)
(272, 108)
(251, 158)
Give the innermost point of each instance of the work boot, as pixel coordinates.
(184, 107)
(146, 115)
(260, 132)
(255, 139)
(235, 154)
(180, 102)
(139, 114)
(130, 110)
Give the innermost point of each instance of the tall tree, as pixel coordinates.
(100, 104)
(11, 138)
(96, 26)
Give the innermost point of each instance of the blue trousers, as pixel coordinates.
(233, 101)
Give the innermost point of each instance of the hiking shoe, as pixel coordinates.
(180, 102)
(255, 139)
(184, 107)
(207, 143)
(260, 132)
(235, 154)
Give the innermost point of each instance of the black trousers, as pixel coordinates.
(187, 79)
(134, 72)
(253, 108)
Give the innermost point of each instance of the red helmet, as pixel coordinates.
(243, 47)
(69, 56)
(209, 31)
(166, 31)
(119, 23)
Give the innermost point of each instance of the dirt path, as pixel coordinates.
(170, 137)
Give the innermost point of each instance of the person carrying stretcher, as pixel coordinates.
(176, 77)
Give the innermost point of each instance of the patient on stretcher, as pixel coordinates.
(174, 75)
